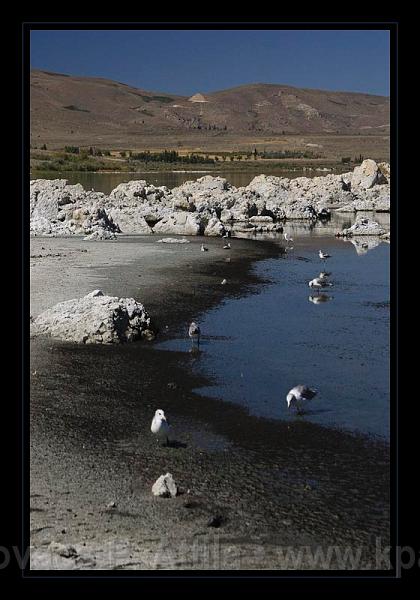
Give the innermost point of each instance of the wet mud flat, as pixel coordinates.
(253, 493)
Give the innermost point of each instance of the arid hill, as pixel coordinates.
(86, 110)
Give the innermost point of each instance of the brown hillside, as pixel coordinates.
(86, 111)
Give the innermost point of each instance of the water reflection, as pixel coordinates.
(195, 351)
(319, 298)
(363, 244)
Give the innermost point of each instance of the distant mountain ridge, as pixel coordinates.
(90, 110)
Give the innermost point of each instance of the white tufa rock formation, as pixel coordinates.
(95, 319)
(208, 206)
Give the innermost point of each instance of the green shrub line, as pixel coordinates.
(76, 158)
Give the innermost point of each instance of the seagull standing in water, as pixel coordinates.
(287, 238)
(226, 246)
(299, 396)
(203, 248)
(319, 283)
(160, 426)
(324, 255)
(323, 275)
(194, 332)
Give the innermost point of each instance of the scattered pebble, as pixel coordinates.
(64, 550)
(215, 521)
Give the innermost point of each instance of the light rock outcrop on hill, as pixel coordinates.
(208, 206)
(95, 319)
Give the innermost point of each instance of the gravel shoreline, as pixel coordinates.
(250, 488)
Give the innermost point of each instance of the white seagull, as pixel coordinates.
(223, 282)
(160, 426)
(299, 396)
(203, 248)
(226, 246)
(324, 255)
(287, 238)
(319, 283)
(194, 332)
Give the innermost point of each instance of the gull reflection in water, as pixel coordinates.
(319, 298)
(195, 351)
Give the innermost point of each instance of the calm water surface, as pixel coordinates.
(258, 347)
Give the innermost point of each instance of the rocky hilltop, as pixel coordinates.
(209, 206)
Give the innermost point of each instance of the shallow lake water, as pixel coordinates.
(255, 348)
(106, 182)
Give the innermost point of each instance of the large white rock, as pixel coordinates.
(100, 235)
(376, 199)
(366, 175)
(137, 191)
(165, 486)
(214, 227)
(364, 227)
(179, 223)
(61, 209)
(130, 220)
(136, 206)
(95, 319)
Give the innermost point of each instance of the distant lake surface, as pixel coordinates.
(106, 182)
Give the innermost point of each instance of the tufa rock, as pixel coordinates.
(95, 319)
(165, 486)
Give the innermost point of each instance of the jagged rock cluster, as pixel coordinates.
(60, 209)
(209, 206)
(363, 227)
(95, 319)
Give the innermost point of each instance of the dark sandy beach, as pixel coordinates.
(254, 493)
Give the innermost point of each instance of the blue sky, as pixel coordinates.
(186, 62)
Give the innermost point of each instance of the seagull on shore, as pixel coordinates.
(160, 426)
(204, 248)
(319, 283)
(287, 238)
(226, 246)
(324, 255)
(299, 396)
(194, 332)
